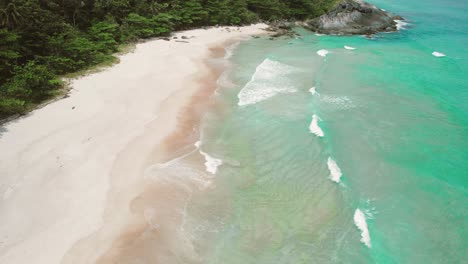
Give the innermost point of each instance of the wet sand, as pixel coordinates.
(89, 179)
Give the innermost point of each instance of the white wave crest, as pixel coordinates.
(400, 24)
(335, 171)
(322, 52)
(315, 128)
(361, 224)
(349, 48)
(438, 54)
(313, 90)
(270, 78)
(211, 163)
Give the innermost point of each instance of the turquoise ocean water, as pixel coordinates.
(372, 168)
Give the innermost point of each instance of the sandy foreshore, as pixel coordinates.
(72, 174)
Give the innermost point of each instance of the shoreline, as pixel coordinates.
(138, 229)
(76, 162)
(125, 49)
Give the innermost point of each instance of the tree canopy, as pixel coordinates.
(40, 40)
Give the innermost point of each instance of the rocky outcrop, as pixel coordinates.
(282, 28)
(353, 17)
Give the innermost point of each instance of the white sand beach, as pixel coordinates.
(67, 168)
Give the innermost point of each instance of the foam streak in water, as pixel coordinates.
(270, 78)
(322, 52)
(400, 24)
(313, 90)
(360, 222)
(341, 102)
(438, 54)
(315, 128)
(211, 163)
(230, 50)
(349, 48)
(335, 171)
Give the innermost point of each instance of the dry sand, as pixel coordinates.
(72, 174)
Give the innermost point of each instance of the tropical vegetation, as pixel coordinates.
(40, 40)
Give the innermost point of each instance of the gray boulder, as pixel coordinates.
(281, 28)
(353, 17)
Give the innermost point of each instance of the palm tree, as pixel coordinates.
(9, 16)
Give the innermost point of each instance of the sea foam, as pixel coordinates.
(270, 78)
(197, 144)
(313, 90)
(361, 224)
(211, 163)
(349, 48)
(400, 24)
(438, 54)
(335, 171)
(229, 51)
(177, 172)
(341, 102)
(315, 128)
(322, 52)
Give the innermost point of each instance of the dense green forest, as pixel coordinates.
(43, 39)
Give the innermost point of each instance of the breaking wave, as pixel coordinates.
(400, 24)
(335, 171)
(270, 78)
(315, 128)
(438, 54)
(313, 90)
(211, 163)
(322, 52)
(361, 224)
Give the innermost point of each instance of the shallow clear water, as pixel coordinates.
(392, 117)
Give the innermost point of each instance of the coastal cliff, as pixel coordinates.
(353, 17)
